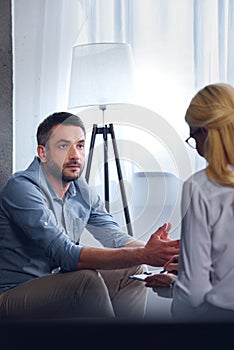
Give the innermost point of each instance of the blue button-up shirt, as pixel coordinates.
(39, 231)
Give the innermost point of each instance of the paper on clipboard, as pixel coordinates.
(141, 277)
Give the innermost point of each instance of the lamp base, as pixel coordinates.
(105, 131)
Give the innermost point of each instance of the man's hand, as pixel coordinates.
(160, 248)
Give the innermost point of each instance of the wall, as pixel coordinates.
(6, 120)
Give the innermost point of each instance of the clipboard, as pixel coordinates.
(141, 277)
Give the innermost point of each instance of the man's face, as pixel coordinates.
(65, 153)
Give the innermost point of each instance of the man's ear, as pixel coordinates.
(41, 151)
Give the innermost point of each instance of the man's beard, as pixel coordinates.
(61, 175)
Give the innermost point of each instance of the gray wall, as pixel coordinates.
(6, 85)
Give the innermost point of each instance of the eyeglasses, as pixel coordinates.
(191, 141)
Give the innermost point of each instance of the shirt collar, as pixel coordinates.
(71, 190)
(45, 183)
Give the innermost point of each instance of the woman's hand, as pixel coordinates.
(163, 280)
(172, 265)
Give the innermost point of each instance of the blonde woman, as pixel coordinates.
(204, 288)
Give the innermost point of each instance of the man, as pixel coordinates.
(44, 272)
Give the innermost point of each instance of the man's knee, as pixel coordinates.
(94, 294)
(136, 270)
(88, 279)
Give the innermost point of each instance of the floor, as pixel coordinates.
(158, 308)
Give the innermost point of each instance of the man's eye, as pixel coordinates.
(63, 146)
(81, 146)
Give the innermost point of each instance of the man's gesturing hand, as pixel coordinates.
(160, 248)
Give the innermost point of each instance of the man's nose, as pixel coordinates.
(74, 153)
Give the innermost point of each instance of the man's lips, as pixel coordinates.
(73, 166)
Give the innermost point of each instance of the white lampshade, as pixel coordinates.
(101, 73)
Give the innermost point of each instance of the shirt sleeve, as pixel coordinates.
(105, 229)
(193, 280)
(25, 205)
(101, 224)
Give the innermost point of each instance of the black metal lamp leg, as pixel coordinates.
(91, 148)
(121, 184)
(106, 168)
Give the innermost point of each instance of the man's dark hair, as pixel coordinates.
(44, 130)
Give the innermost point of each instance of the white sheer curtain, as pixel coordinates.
(178, 46)
(213, 41)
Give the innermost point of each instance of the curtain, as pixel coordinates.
(178, 47)
(213, 41)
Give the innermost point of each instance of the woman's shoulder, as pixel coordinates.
(200, 177)
(206, 186)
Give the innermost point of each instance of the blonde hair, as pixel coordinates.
(213, 107)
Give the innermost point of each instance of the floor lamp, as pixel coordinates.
(102, 74)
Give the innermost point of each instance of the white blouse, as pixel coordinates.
(206, 263)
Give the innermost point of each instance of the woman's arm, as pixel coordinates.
(193, 280)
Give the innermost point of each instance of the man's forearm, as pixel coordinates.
(135, 244)
(110, 258)
(156, 252)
